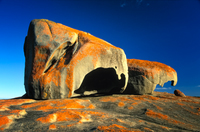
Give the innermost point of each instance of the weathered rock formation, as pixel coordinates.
(145, 75)
(179, 93)
(62, 62)
(161, 112)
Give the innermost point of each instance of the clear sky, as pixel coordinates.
(167, 31)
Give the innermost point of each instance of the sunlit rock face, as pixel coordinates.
(62, 62)
(145, 75)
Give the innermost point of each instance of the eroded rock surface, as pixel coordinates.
(62, 62)
(161, 112)
(145, 75)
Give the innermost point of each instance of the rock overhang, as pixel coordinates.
(58, 58)
(145, 75)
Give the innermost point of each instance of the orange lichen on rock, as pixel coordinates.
(195, 113)
(147, 129)
(190, 101)
(52, 127)
(161, 116)
(180, 104)
(48, 119)
(155, 114)
(71, 115)
(36, 104)
(141, 98)
(4, 120)
(88, 50)
(121, 104)
(116, 128)
(68, 115)
(159, 108)
(91, 106)
(153, 98)
(4, 104)
(164, 127)
(19, 113)
(39, 62)
(60, 104)
(130, 107)
(150, 68)
(113, 128)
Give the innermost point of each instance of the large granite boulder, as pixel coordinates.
(161, 112)
(145, 75)
(62, 62)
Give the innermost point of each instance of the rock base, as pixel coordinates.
(160, 112)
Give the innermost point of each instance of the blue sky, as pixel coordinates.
(167, 31)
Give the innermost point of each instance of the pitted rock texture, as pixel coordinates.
(62, 62)
(145, 75)
(161, 112)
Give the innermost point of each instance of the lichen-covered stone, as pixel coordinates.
(160, 112)
(62, 62)
(179, 93)
(145, 75)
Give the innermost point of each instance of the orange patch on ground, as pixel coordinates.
(59, 104)
(164, 127)
(141, 98)
(190, 101)
(70, 115)
(192, 107)
(116, 128)
(180, 104)
(91, 106)
(125, 99)
(134, 104)
(198, 113)
(4, 104)
(161, 116)
(153, 98)
(155, 114)
(148, 129)
(130, 108)
(121, 104)
(19, 112)
(159, 108)
(48, 119)
(3, 122)
(52, 127)
(113, 128)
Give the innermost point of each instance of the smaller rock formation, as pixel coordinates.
(145, 75)
(179, 93)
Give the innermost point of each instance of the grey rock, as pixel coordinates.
(145, 75)
(59, 59)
